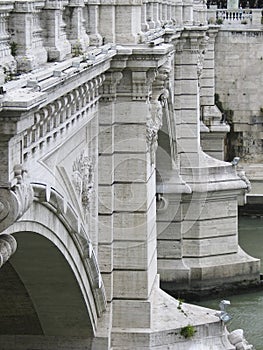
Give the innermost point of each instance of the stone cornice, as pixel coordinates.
(33, 90)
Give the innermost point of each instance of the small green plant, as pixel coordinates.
(188, 331)
(13, 48)
(77, 50)
(219, 21)
(180, 306)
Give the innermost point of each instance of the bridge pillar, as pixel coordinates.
(206, 238)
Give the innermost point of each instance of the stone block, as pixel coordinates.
(134, 197)
(105, 257)
(134, 284)
(208, 91)
(189, 116)
(132, 167)
(208, 82)
(131, 112)
(173, 212)
(186, 87)
(130, 137)
(106, 199)
(138, 311)
(106, 140)
(169, 230)
(185, 72)
(188, 130)
(108, 285)
(204, 209)
(210, 247)
(210, 228)
(106, 169)
(135, 226)
(174, 270)
(169, 249)
(106, 113)
(187, 145)
(207, 100)
(134, 255)
(186, 101)
(208, 73)
(105, 230)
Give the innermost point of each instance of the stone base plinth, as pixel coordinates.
(215, 275)
(169, 317)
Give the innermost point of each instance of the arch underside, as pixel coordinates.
(50, 302)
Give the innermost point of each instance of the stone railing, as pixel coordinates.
(248, 17)
(38, 31)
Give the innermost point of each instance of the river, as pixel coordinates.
(246, 309)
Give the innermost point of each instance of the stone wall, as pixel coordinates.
(239, 84)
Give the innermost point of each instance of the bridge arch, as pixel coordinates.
(57, 266)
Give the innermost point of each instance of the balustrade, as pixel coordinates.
(249, 17)
(53, 30)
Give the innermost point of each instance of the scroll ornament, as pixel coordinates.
(15, 201)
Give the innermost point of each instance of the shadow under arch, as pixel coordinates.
(47, 279)
(57, 267)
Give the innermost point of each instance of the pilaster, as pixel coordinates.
(187, 97)
(7, 61)
(212, 141)
(128, 21)
(92, 17)
(188, 12)
(107, 24)
(57, 44)
(27, 35)
(75, 26)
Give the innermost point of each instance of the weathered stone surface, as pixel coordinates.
(108, 122)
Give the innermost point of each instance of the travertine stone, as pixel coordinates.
(57, 44)
(26, 35)
(132, 284)
(122, 187)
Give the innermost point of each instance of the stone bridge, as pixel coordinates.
(104, 186)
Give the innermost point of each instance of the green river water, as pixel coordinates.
(247, 309)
